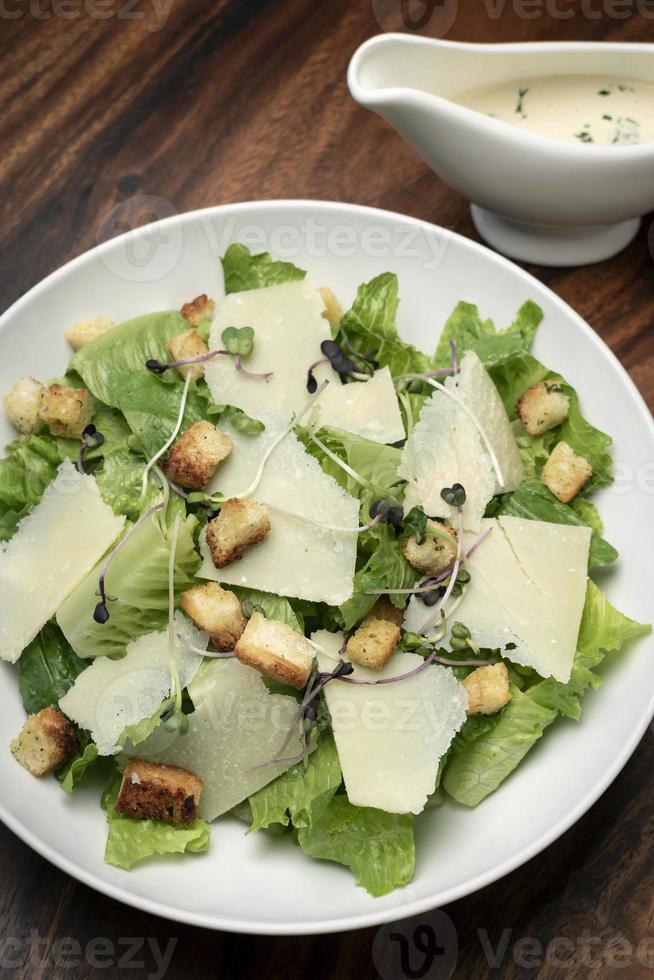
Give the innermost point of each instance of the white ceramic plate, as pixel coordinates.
(261, 885)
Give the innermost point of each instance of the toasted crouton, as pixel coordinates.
(277, 650)
(152, 791)
(46, 740)
(565, 473)
(66, 411)
(216, 611)
(488, 689)
(384, 609)
(542, 407)
(22, 403)
(196, 455)
(199, 309)
(81, 334)
(373, 643)
(240, 524)
(333, 311)
(436, 553)
(186, 345)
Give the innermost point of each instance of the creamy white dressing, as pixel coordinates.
(574, 108)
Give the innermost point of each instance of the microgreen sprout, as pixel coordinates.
(91, 439)
(239, 341)
(312, 383)
(159, 367)
(174, 719)
(256, 375)
(338, 359)
(166, 446)
(455, 357)
(205, 653)
(248, 608)
(387, 511)
(455, 495)
(101, 613)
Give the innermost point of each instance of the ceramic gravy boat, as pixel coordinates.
(534, 198)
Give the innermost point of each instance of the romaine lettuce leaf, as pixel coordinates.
(485, 754)
(32, 462)
(376, 845)
(376, 464)
(242, 270)
(274, 606)
(73, 771)
(47, 669)
(138, 578)
(130, 840)
(369, 326)
(469, 332)
(113, 368)
(477, 769)
(385, 568)
(299, 795)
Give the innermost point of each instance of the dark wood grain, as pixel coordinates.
(246, 99)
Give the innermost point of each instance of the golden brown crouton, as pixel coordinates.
(436, 553)
(46, 740)
(333, 311)
(196, 455)
(488, 689)
(373, 643)
(216, 611)
(277, 650)
(81, 334)
(565, 473)
(384, 609)
(66, 411)
(542, 407)
(240, 524)
(152, 791)
(186, 345)
(22, 403)
(199, 309)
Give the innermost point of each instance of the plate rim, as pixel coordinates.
(481, 880)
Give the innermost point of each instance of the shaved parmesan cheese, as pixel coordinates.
(527, 588)
(54, 548)
(365, 408)
(237, 725)
(475, 386)
(112, 694)
(295, 559)
(289, 329)
(446, 447)
(391, 738)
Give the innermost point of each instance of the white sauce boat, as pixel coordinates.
(536, 198)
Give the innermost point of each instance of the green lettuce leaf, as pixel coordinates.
(73, 771)
(113, 368)
(376, 464)
(370, 326)
(487, 750)
(243, 270)
(130, 841)
(385, 568)
(477, 769)
(377, 846)
(469, 332)
(274, 606)
(138, 577)
(535, 502)
(32, 462)
(47, 669)
(299, 795)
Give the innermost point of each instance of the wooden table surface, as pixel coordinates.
(211, 101)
